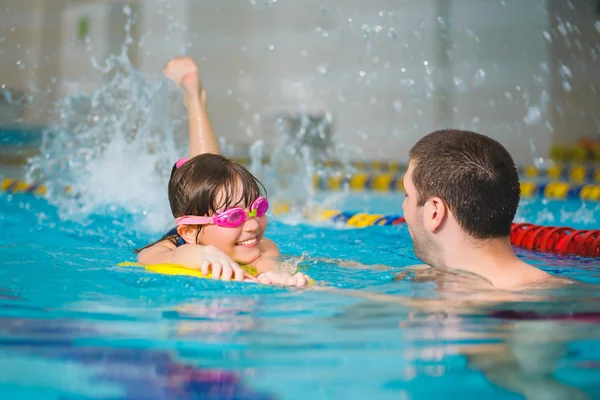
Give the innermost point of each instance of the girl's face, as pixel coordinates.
(240, 243)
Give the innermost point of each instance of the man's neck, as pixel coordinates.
(492, 259)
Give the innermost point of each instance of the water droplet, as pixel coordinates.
(425, 62)
(566, 86)
(534, 116)
(460, 85)
(597, 25)
(397, 105)
(365, 30)
(323, 69)
(565, 71)
(403, 69)
(271, 47)
(362, 73)
(562, 29)
(547, 36)
(392, 33)
(479, 77)
(544, 100)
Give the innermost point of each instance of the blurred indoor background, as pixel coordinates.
(379, 73)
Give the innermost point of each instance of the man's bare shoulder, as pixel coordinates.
(443, 276)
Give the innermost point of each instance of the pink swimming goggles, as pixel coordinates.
(229, 218)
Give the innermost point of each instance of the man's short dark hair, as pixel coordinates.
(473, 174)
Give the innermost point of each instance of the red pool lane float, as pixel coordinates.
(527, 235)
(595, 247)
(561, 240)
(532, 240)
(583, 243)
(552, 237)
(565, 245)
(516, 230)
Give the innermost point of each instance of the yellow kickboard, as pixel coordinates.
(177, 269)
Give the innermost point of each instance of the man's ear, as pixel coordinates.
(188, 233)
(434, 214)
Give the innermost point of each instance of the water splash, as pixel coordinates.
(113, 148)
(297, 158)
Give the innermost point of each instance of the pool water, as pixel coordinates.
(74, 325)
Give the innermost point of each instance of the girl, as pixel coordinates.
(219, 206)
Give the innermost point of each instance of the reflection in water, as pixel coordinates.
(212, 319)
(521, 346)
(55, 354)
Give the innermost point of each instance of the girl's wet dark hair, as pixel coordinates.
(209, 183)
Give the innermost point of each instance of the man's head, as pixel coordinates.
(458, 177)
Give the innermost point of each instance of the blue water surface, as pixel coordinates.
(74, 325)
